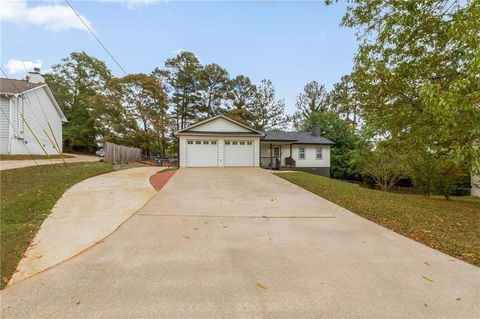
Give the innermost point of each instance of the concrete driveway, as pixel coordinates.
(202, 248)
(11, 164)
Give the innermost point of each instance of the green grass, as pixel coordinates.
(29, 157)
(452, 226)
(27, 196)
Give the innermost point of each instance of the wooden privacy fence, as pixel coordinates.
(119, 154)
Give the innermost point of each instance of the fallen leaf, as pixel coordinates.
(78, 302)
(427, 278)
(196, 228)
(425, 305)
(260, 285)
(426, 263)
(225, 226)
(186, 237)
(459, 298)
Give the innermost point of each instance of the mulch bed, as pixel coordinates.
(160, 179)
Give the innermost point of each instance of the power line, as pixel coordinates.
(96, 38)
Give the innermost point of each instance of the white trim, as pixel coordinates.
(304, 153)
(55, 103)
(214, 118)
(317, 148)
(10, 128)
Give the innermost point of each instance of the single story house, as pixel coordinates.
(222, 142)
(33, 99)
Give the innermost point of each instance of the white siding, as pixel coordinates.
(31, 105)
(219, 125)
(310, 154)
(4, 125)
(182, 151)
(221, 145)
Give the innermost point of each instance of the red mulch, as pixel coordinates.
(160, 179)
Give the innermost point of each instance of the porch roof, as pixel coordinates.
(296, 138)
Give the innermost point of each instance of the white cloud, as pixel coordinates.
(133, 4)
(15, 66)
(52, 17)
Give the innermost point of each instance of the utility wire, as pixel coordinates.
(96, 38)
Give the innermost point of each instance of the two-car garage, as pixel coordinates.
(208, 153)
(219, 142)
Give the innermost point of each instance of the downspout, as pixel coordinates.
(22, 136)
(10, 127)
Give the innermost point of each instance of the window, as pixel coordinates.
(198, 142)
(242, 143)
(213, 142)
(301, 153)
(318, 153)
(234, 142)
(227, 142)
(249, 143)
(190, 142)
(205, 142)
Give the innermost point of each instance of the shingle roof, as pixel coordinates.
(16, 86)
(296, 138)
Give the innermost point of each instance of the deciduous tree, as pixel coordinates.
(145, 105)
(74, 81)
(416, 73)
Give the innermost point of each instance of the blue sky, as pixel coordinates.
(289, 43)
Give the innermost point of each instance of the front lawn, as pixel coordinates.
(452, 226)
(27, 196)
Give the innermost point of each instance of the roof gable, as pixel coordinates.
(219, 124)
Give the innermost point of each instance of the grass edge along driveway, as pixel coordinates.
(452, 227)
(27, 197)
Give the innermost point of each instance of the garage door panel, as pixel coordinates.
(238, 153)
(202, 153)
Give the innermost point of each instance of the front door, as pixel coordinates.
(276, 152)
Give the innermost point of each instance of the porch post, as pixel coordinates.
(290, 150)
(271, 156)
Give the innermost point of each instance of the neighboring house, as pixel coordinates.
(33, 98)
(222, 142)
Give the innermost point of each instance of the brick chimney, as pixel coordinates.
(316, 129)
(35, 76)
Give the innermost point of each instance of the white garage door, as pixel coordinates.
(202, 153)
(238, 153)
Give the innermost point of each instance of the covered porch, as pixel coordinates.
(276, 154)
